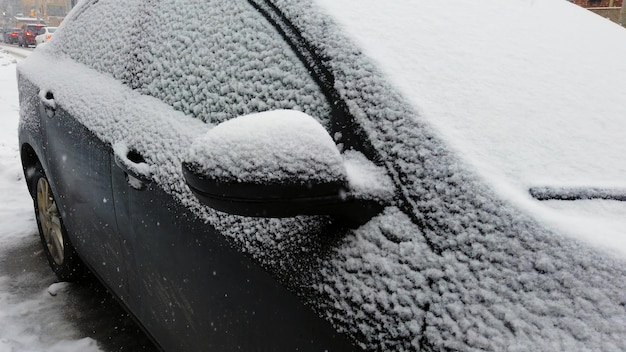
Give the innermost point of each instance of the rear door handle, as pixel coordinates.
(134, 166)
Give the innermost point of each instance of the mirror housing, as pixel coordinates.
(280, 163)
(273, 200)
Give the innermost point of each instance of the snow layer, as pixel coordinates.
(268, 147)
(454, 266)
(367, 179)
(491, 262)
(523, 97)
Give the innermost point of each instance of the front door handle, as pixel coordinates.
(49, 104)
(135, 168)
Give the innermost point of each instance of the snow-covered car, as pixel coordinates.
(337, 175)
(44, 34)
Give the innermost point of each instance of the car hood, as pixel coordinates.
(530, 100)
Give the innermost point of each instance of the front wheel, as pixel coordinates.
(59, 251)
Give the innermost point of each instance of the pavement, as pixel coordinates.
(89, 306)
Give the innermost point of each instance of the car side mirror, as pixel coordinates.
(279, 163)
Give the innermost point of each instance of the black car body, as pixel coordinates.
(27, 34)
(114, 139)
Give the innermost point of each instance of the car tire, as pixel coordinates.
(60, 253)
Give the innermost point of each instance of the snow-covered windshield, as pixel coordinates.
(521, 96)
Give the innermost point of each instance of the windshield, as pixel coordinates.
(512, 97)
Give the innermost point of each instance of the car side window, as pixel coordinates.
(215, 60)
(211, 59)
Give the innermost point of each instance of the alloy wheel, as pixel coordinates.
(50, 221)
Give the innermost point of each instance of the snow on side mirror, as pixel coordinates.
(278, 163)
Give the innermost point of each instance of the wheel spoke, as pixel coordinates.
(57, 240)
(51, 209)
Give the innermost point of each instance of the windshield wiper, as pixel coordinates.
(577, 193)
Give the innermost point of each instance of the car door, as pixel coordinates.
(78, 151)
(191, 285)
(79, 169)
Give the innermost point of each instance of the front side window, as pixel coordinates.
(215, 60)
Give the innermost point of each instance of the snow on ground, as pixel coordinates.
(32, 319)
(15, 203)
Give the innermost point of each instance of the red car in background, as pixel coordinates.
(28, 33)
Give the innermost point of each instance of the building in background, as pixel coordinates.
(50, 12)
(8, 9)
(598, 3)
(613, 10)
